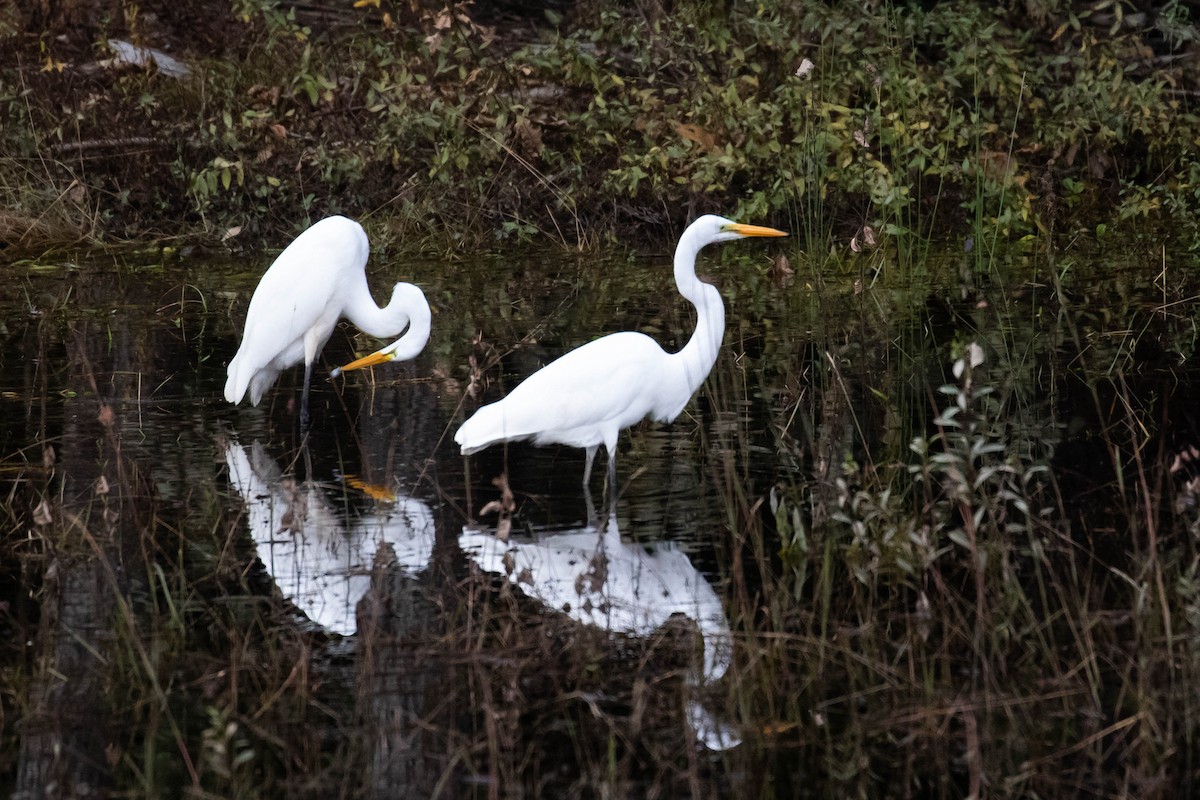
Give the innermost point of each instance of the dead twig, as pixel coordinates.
(106, 144)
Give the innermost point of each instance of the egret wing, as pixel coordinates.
(573, 399)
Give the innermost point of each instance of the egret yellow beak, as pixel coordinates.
(378, 357)
(755, 230)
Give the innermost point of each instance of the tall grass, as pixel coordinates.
(957, 546)
(979, 579)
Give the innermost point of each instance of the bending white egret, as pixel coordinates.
(319, 278)
(586, 397)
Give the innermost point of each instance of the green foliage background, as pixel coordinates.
(462, 125)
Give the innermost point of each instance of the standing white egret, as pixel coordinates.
(319, 278)
(587, 396)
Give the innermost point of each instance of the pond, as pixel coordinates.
(928, 529)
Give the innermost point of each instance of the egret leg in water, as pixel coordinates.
(590, 454)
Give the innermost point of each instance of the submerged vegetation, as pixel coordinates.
(477, 122)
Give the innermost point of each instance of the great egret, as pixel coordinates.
(586, 397)
(316, 280)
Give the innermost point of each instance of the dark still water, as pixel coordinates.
(848, 568)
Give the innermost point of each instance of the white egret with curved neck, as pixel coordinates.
(587, 396)
(319, 278)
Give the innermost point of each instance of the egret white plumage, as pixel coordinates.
(319, 278)
(587, 396)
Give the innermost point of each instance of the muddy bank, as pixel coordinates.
(486, 124)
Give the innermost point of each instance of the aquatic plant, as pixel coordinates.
(955, 580)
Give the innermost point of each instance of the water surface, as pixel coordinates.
(201, 601)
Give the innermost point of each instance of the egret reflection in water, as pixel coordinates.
(321, 560)
(597, 579)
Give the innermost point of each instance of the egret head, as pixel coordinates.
(710, 229)
(411, 310)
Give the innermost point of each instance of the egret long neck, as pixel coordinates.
(420, 322)
(407, 308)
(700, 353)
(360, 308)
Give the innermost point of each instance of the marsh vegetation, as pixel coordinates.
(468, 125)
(930, 528)
(946, 521)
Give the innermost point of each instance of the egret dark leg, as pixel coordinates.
(589, 506)
(587, 470)
(308, 470)
(304, 415)
(587, 479)
(612, 480)
(467, 485)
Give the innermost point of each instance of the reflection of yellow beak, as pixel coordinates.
(755, 230)
(370, 489)
(379, 357)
